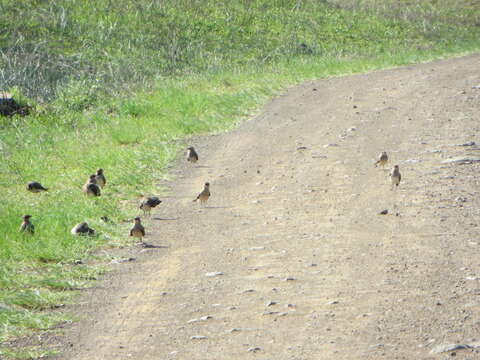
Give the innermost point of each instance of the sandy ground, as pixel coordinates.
(309, 268)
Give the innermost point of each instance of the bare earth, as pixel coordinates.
(310, 269)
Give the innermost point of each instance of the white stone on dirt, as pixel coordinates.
(198, 337)
(215, 273)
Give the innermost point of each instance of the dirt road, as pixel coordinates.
(309, 268)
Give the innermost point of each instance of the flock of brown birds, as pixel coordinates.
(93, 187)
(96, 182)
(395, 175)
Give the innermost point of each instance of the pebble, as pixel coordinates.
(270, 313)
(254, 349)
(461, 160)
(383, 212)
(248, 291)
(118, 261)
(270, 303)
(234, 330)
(215, 273)
(451, 347)
(330, 145)
(290, 279)
(333, 302)
(198, 337)
(470, 143)
(203, 318)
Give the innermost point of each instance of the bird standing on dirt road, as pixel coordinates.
(192, 155)
(27, 227)
(35, 187)
(204, 195)
(395, 176)
(91, 188)
(101, 181)
(82, 229)
(149, 203)
(137, 230)
(382, 159)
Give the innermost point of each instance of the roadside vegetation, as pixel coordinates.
(121, 85)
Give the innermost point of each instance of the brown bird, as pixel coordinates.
(82, 229)
(137, 230)
(100, 177)
(27, 227)
(35, 187)
(204, 195)
(192, 155)
(395, 176)
(382, 159)
(91, 188)
(149, 203)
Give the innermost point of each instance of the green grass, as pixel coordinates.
(123, 85)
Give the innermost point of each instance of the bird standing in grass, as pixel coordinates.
(192, 155)
(100, 177)
(149, 203)
(27, 227)
(395, 176)
(204, 195)
(82, 229)
(35, 187)
(91, 188)
(382, 159)
(137, 230)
